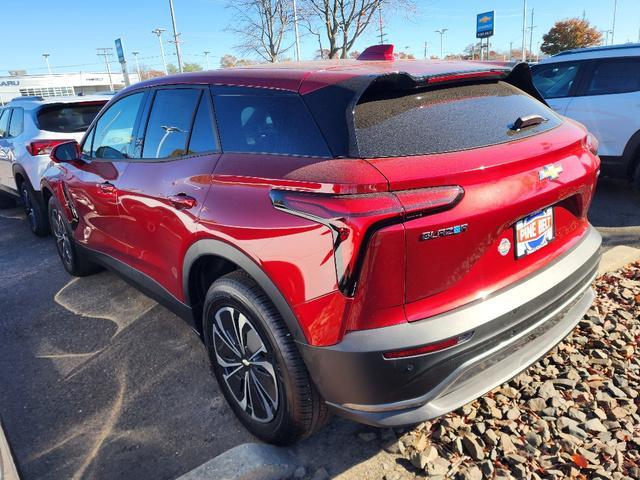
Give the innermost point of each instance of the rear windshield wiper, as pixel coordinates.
(527, 121)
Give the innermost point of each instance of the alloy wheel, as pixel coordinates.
(246, 362)
(63, 243)
(28, 208)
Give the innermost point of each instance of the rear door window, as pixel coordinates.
(16, 125)
(397, 123)
(169, 122)
(203, 138)
(620, 75)
(268, 123)
(555, 80)
(67, 117)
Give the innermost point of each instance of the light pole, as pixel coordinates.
(524, 31)
(158, 32)
(175, 36)
(106, 53)
(531, 27)
(425, 50)
(295, 28)
(510, 50)
(206, 59)
(46, 59)
(613, 26)
(441, 32)
(135, 55)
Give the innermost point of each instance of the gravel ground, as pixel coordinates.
(573, 414)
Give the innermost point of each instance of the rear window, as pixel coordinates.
(67, 117)
(276, 124)
(392, 124)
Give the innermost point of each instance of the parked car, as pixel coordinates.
(29, 128)
(599, 87)
(385, 239)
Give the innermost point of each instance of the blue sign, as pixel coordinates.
(484, 24)
(119, 50)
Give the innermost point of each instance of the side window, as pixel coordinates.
(277, 124)
(114, 130)
(4, 122)
(170, 122)
(16, 127)
(203, 138)
(615, 76)
(555, 80)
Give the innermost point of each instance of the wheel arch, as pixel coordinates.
(218, 258)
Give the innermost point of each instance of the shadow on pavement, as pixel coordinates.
(615, 211)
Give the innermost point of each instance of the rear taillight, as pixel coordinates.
(353, 219)
(43, 147)
(430, 348)
(591, 143)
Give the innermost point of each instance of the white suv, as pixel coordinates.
(29, 128)
(600, 88)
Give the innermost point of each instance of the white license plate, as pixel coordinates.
(534, 232)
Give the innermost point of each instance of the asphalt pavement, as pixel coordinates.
(98, 381)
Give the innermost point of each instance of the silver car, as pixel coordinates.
(29, 128)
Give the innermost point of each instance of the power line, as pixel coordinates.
(106, 53)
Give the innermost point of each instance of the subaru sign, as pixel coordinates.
(484, 25)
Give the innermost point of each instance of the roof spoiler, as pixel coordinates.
(377, 52)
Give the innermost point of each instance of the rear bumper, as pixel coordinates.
(510, 330)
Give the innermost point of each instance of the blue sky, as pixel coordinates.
(70, 31)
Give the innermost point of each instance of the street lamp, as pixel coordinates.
(441, 32)
(613, 26)
(46, 59)
(135, 55)
(158, 32)
(206, 59)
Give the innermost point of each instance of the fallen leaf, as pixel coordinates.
(579, 460)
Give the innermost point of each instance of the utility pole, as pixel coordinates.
(135, 55)
(46, 59)
(613, 26)
(425, 50)
(531, 27)
(295, 29)
(524, 30)
(175, 36)
(510, 50)
(380, 25)
(158, 32)
(206, 59)
(441, 32)
(106, 53)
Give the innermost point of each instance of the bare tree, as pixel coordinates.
(344, 21)
(263, 25)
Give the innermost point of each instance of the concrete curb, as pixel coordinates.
(618, 257)
(249, 461)
(8, 470)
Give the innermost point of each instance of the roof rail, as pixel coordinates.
(27, 98)
(377, 52)
(598, 49)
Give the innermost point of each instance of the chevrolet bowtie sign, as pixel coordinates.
(484, 24)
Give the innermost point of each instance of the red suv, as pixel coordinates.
(383, 239)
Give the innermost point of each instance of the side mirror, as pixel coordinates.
(66, 152)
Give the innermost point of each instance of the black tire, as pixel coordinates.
(73, 260)
(297, 410)
(34, 210)
(635, 178)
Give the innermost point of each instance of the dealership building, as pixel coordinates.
(19, 84)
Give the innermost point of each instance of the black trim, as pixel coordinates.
(141, 281)
(225, 251)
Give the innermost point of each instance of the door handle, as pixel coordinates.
(182, 201)
(107, 187)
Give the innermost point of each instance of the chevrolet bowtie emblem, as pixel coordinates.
(550, 172)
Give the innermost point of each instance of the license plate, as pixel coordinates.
(534, 232)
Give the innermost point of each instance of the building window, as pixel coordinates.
(46, 92)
